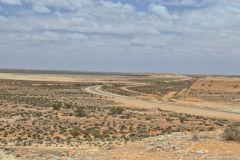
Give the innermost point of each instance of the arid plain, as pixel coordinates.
(89, 115)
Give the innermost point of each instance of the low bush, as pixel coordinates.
(182, 119)
(232, 132)
(117, 110)
(76, 131)
(104, 87)
(80, 111)
(56, 106)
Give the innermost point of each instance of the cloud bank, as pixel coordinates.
(120, 35)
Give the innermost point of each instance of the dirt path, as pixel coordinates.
(143, 103)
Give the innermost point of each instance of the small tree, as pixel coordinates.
(117, 110)
(80, 111)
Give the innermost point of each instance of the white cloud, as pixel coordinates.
(11, 2)
(61, 4)
(188, 2)
(233, 9)
(196, 3)
(3, 19)
(75, 36)
(180, 2)
(50, 35)
(161, 11)
(107, 28)
(41, 8)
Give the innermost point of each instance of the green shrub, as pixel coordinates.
(165, 83)
(232, 132)
(104, 87)
(117, 110)
(182, 119)
(56, 106)
(148, 117)
(68, 106)
(212, 128)
(94, 132)
(76, 131)
(160, 82)
(19, 139)
(80, 111)
(141, 130)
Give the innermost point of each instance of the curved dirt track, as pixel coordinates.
(143, 103)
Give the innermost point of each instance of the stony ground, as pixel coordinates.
(193, 146)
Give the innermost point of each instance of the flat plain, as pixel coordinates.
(53, 115)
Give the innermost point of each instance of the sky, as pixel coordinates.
(170, 36)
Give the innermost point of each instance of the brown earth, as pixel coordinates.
(31, 128)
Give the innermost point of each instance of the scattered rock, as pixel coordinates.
(201, 151)
(110, 147)
(55, 159)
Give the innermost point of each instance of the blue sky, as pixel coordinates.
(177, 36)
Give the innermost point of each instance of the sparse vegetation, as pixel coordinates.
(162, 88)
(117, 110)
(104, 87)
(76, 131)
(80, 111)
(56, 106)
(116, 88)
(182, 119)
(63, 114)
(232, 132)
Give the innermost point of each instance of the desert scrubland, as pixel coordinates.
(54, 116)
